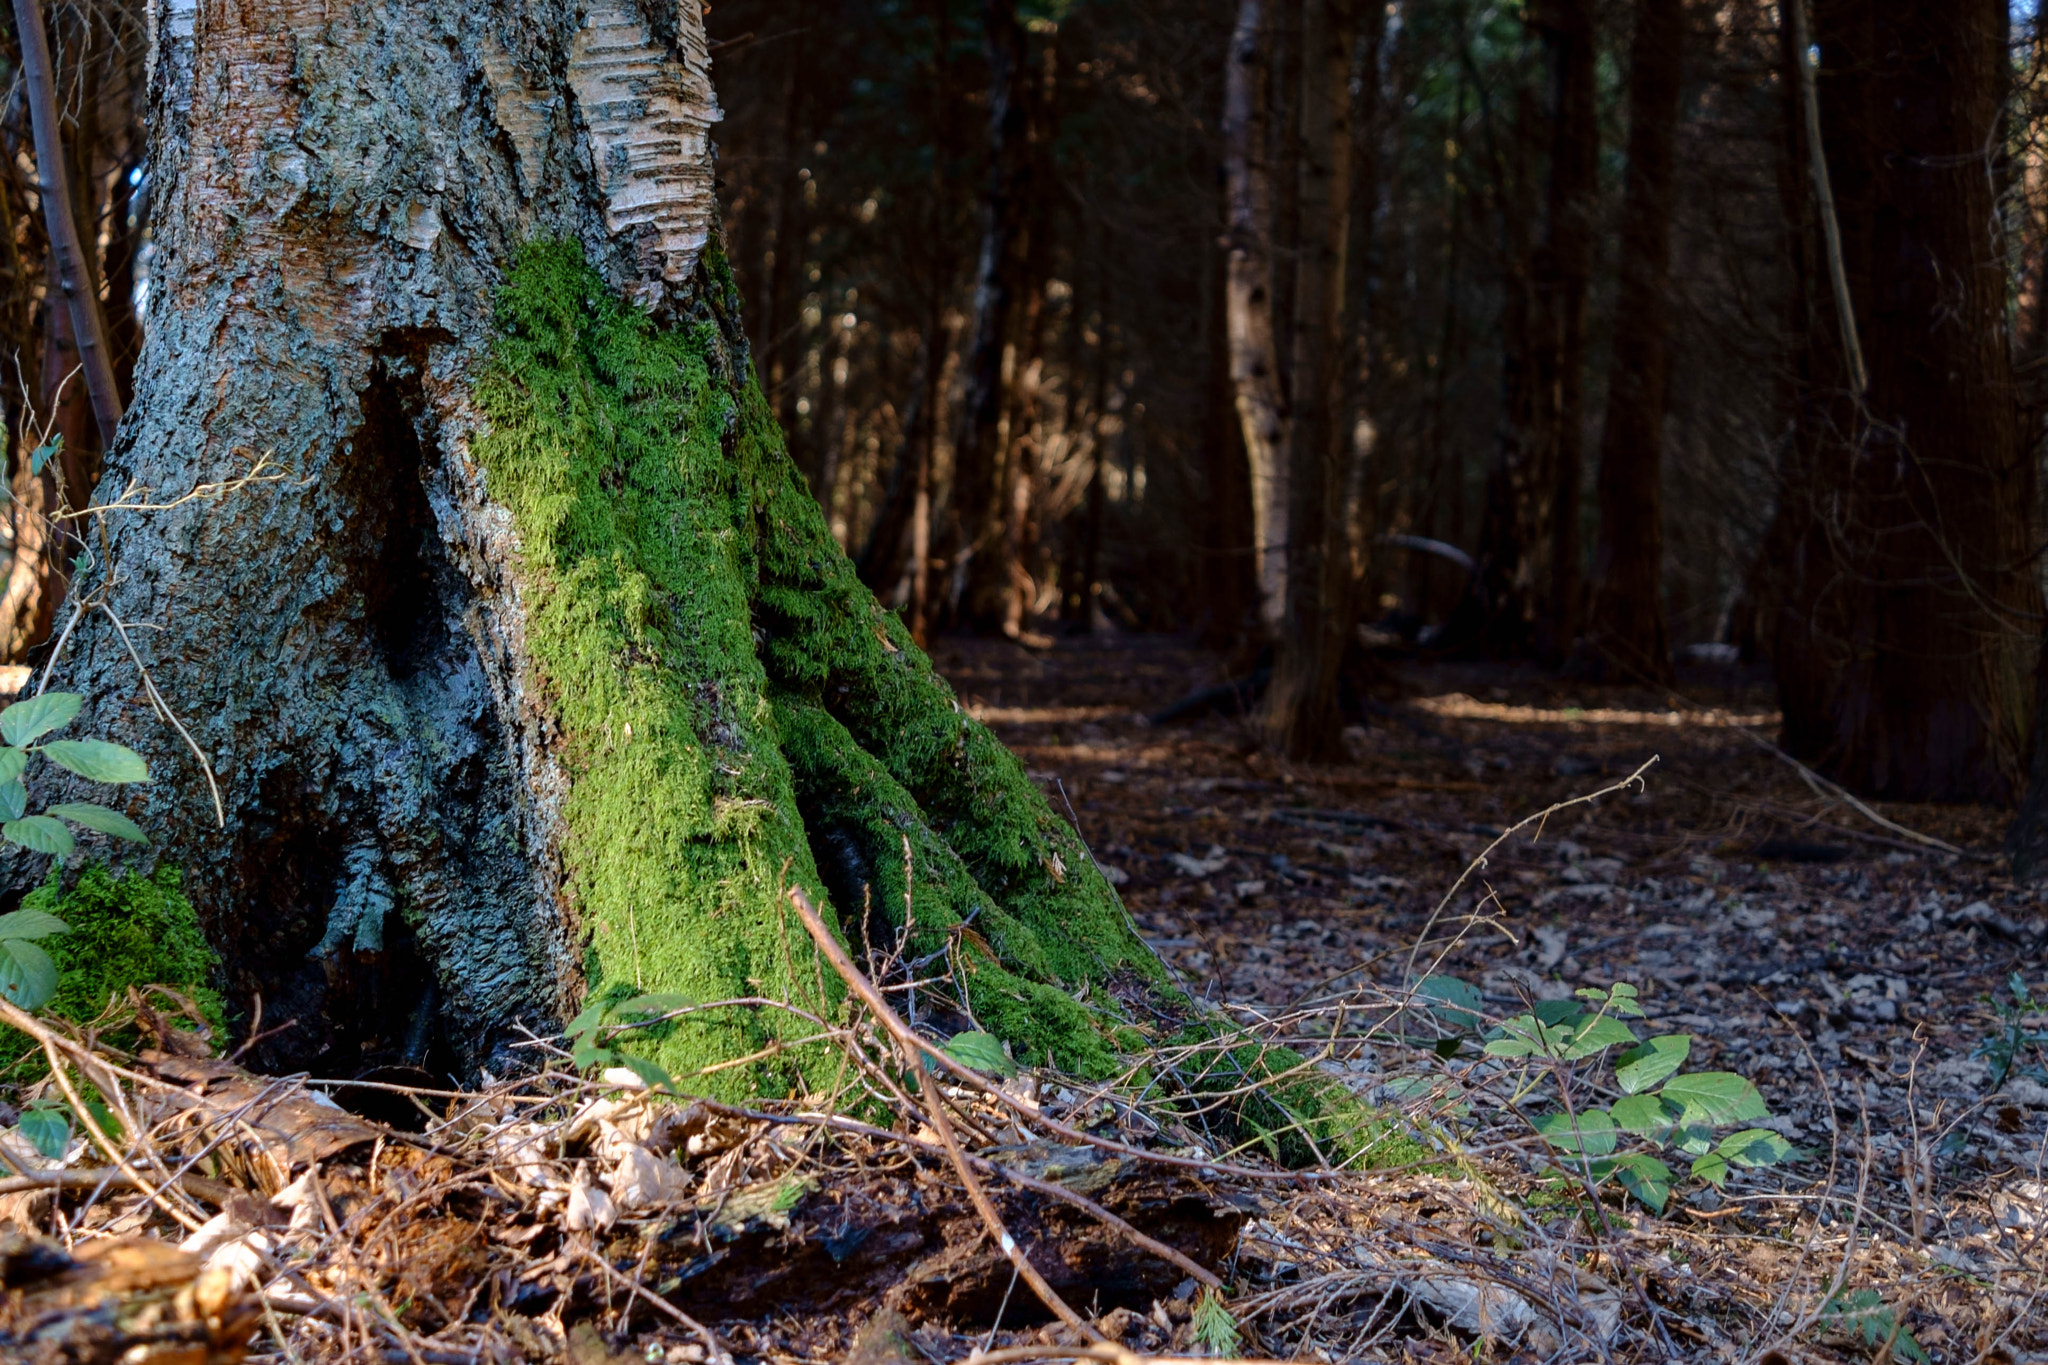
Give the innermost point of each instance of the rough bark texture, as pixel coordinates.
(1625, 636)
(541, 674)
(1905, 644)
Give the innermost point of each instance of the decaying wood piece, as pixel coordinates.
(134, 1300)
(918, 1245)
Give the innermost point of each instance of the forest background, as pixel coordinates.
(1578, 331)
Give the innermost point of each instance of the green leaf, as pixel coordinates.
(38, 834)
(27, 976)
(587, 1056)
(47, 1128)
(99, 760)
(1657, 1058)
(1595, 1134)
(1596, 1035)
(980, 1052)
(1458, 1003)
(13, 800)
(1525, 1036)
(100, 818)
(34, 717)
(1755, 1147)
(1645, 1115)
(1712, 1168)
(589, 1022)
(1715, 1097)
(654, 1076)
(12, 763)
(1864, 1312)
(1645, 1177)
(28, 924)
(1693, 1139)
(660, 1002)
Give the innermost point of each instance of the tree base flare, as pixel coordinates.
(735, 714)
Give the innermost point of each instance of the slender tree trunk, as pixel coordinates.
(978, 503)
(1906, 642)
(540, 677)
(1574, 191)
(1625, 637)
(1300, 713)
(1249, 304)
(1523, 597)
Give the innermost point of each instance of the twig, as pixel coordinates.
(163, 709)
(910, 1045)
(1088, 1206)
(712, 1347)
(1633, 779)
(1829, 790)
(1831, 228)
(67, 250)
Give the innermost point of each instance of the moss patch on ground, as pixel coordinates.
(133, 930)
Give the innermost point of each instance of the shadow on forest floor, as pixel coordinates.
(1786, 933)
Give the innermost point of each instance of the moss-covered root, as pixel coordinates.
(886, 869)
(655, 509)
(127, 931)
(734, 709)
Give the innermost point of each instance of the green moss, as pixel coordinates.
(134, 931)
(697, 632)
(724, 693)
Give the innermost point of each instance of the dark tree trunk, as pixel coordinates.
(1906, 641)
(978, 503)
(1524, 593)
(1300, 714)
(539, 676)
(1625, 636)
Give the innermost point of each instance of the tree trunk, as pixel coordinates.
(1906, 643)
(978, 446)
(1523, 597)
(1626, 639)
(1248, 302)
(540, 677)
(1300, 714)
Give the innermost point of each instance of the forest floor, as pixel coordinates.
(1847, 970)
(1833, 956)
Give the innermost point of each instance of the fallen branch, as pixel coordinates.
(910, 1045)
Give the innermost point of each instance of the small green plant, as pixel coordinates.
(28, 978)
(47, 1126)
(1554, 1053)
(1215, 1330)
(96, 760)
(981, 1052)
(1863, 1314)
(2011, 1039)
(590, 1034)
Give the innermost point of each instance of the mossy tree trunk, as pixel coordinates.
(540, 675)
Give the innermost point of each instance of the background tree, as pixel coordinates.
(1905, 647)
(1625, 636)
(1301, 715)
(1524, 591)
